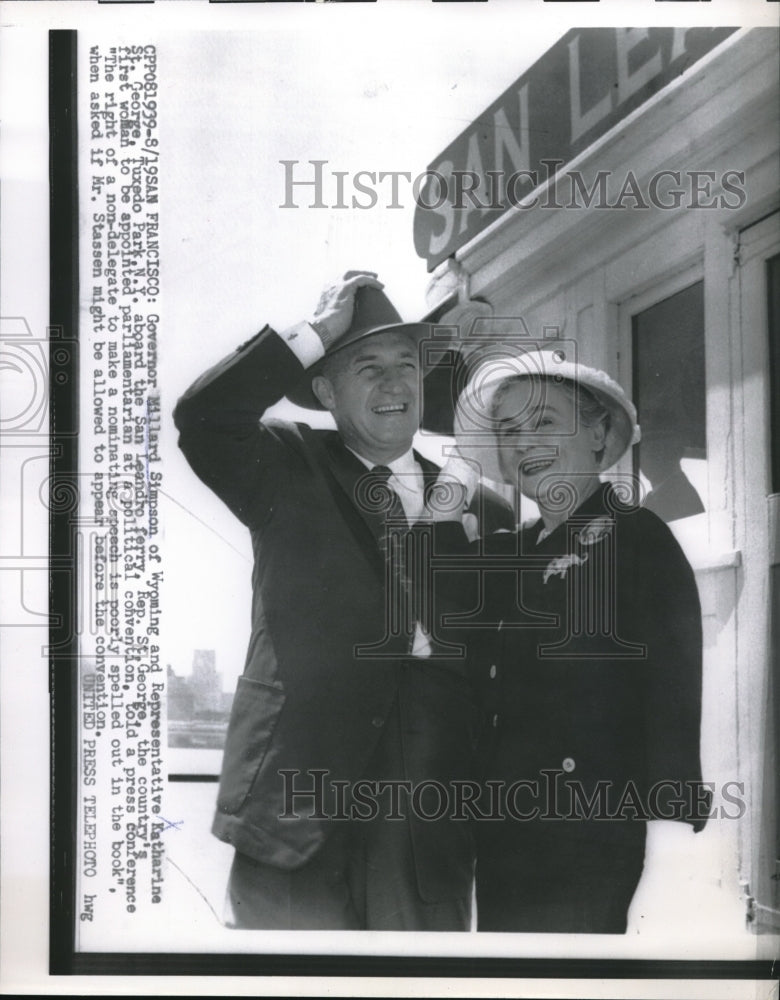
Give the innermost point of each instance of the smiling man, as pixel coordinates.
(372, 389)
(337, 714)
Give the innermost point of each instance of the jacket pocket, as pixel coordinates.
(255, 712)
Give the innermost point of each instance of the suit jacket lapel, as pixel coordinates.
(430, 473)
(430, 470)
(346, 471)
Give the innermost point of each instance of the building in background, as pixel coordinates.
(198, 708)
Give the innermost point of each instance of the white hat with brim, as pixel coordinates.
(476, 427)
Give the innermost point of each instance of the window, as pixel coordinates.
(670, 396)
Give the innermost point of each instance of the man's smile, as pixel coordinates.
(390, 408)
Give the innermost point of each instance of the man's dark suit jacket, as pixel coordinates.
(305, 701)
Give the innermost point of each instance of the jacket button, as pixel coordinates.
(378, 721)
(568, 764)
(492, 671)
(495, 721)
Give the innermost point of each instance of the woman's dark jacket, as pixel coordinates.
(587, 647)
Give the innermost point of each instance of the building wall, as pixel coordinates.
(588, 272)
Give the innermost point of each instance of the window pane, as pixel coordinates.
(669, 393)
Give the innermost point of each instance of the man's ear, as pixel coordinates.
(322, 388)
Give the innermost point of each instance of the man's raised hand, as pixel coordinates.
(337, 303)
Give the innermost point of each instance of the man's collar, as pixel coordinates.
(403, 465)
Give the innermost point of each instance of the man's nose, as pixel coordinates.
(393, 381)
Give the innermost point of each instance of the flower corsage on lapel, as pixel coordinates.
(594, 531)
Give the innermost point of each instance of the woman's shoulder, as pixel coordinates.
(647, 542)
(638, 520)
(626, 506)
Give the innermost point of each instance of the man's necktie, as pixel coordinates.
(395, 515)
(393, 544)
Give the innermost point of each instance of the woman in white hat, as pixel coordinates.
(588, 650)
